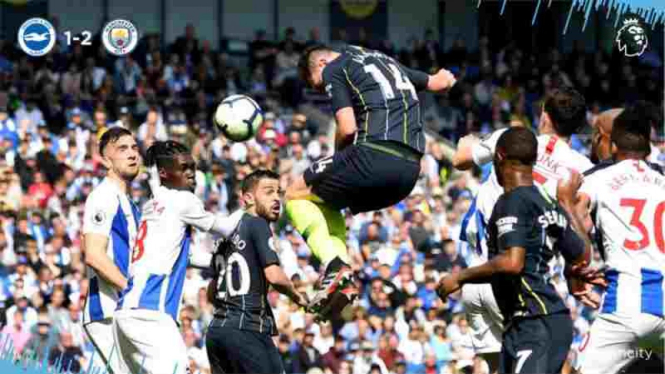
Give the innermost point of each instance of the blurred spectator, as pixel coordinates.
(18, 332)
(53, 111)
(308, 356)
(332, 359)
(364, 362)
(66, 356)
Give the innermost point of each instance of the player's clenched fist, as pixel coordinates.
(301, 299)
(448, 285)
(446, 77)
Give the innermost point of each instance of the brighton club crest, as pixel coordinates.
(120, 37)
(632, 38)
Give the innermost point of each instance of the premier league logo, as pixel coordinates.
(632, 38)
(36, 37)
(120, 37)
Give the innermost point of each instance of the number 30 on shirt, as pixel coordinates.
(636, 220)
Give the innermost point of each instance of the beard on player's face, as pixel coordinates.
(266, 211)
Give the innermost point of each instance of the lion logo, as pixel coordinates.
(632, 38)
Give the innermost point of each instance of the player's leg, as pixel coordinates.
(321, 225)
(485, 329)
(560, 328)
(608, 345)
(100, 334)
(650, 331)
(314, 203)
(525, 347)
(273, 359)
(238, 351)
(150, 342)
(220, 343)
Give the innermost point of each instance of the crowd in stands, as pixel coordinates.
(53, 109)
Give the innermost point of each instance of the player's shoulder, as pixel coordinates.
(181, 198)
(252, 222)
(104, 194)
(599, 167)
(339, 66)
(570, 157)
(517, 200)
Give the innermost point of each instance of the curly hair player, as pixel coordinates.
(145, 328)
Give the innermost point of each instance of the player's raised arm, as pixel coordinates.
(193, 213)
(474, 151)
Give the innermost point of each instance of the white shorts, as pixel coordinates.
(149, 342)
(614, 341)
(100, 334)
(484, 317)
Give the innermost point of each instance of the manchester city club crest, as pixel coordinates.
(120, 37)
(36, 37)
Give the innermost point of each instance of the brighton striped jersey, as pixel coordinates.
(160, 254)
(382, 92)
(108, 212)
(627, 207)
(241, 288)
(555, 161)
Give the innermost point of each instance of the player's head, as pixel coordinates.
(516, 152)
(312, 62)
(262, 195)
(176, 166)
(601, 143)
(120, 153)
(631, 132)
(564, 112)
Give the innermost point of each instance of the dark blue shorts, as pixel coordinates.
(365, 177)
(536, 345)
(241, 351)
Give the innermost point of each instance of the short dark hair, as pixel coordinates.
(567, 110)
(252, 180)
(111, 136)
(307, 58)
(518, 144)
(631, 131)
(161, 153)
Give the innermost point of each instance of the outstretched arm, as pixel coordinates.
(510, 261)
(193, 213)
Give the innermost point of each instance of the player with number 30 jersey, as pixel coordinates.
(626, 201)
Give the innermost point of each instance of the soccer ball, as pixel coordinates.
(238, 117)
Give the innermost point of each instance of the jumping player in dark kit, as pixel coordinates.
(526, 229)
(379, 143)
(239, 339)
